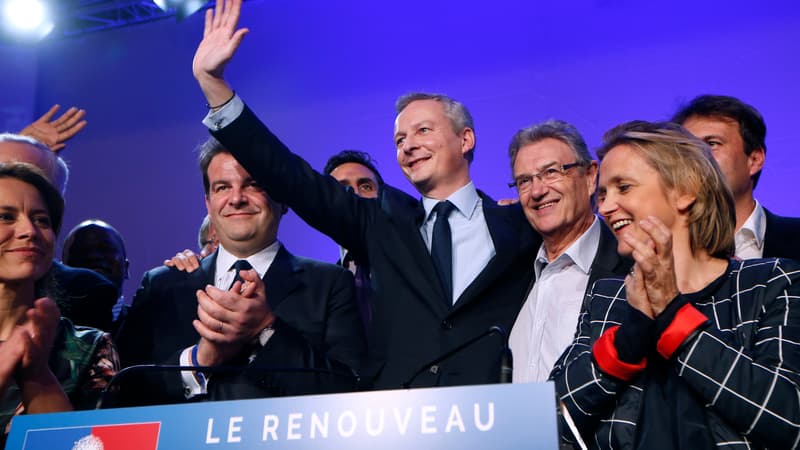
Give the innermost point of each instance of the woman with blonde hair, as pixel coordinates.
(692, 349)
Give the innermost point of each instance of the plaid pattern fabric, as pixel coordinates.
(745, 365)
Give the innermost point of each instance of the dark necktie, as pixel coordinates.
(442, 248)
(238, 266)
(363, 288)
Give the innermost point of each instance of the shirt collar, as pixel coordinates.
(581, 252)
(260, 260)
(466, 201)
(755, 225)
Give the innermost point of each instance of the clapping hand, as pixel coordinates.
(228, 321)
(651, 285)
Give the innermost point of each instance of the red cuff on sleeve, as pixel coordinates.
(605, 355)
(686, 320)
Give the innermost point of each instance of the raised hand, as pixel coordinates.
(55, 133)
(228, 321)
(220, 41)
(655, 262)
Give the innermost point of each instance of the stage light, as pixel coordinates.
(27, 19)
(182, 8)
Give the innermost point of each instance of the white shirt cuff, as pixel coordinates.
(221, 118)
(191, 387)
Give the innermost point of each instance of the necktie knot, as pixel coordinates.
(238, 266)
(443, 209)
(241, 264)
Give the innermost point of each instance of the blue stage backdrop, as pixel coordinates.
(324, 77)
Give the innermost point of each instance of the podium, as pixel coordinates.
(501, 416)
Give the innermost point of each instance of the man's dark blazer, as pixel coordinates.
(607, 262)
(782, 237)
(317, 327)
(413, 322)
(84, 296)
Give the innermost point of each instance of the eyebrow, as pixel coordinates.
(539, 168)
(365, 180)
(614, 179)
(9, 208)
(711, 136)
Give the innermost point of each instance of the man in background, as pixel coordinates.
(357, 172)
(95, 245)
(736, 133)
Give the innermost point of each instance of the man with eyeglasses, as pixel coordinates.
(555, 178)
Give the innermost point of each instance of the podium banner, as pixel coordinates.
(501, 416)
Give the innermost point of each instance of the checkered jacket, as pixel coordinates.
(742, 358)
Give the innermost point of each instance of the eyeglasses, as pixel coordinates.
(549, 175)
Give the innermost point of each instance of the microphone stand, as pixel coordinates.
(505, 361)
(114, 381)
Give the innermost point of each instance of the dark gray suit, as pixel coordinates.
(607, 262)
(317, 328)
(782, 237)
(412, 323)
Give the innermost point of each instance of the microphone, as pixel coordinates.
(506, 365)
(145, 368)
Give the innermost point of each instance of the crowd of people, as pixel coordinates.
(651, 287)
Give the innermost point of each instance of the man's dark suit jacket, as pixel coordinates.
(607, 262)
(413, 322)
(85, 297)
(317, 328)
(782, 237)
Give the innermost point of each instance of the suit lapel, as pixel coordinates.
(280, 279)
(412, 259)
(607, 262)
(504, 230)
(205, 275)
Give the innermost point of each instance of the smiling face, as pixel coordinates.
(560, 211)
(244, 217)
(26, 235)
(430, 152)
(630, 190)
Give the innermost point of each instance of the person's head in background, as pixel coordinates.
(736, 133)
(355, 170)
(207, 239)
(94, 244)
(15, 147)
